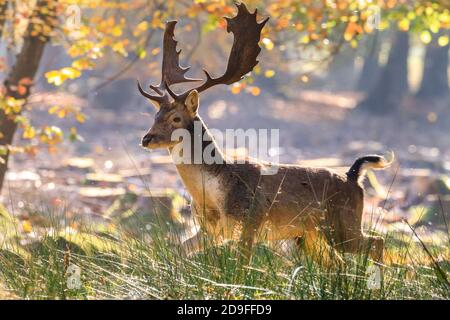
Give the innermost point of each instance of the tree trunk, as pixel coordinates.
(342, 67)
(435, 76)
(371, 67)
(26, 66)
(3, 7)
(392, 85)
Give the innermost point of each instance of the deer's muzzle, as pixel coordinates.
(147, 139)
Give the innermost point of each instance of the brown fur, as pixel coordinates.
(316, 204)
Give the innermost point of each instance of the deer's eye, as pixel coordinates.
(176, 119)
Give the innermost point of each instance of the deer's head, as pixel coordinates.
(179, 111)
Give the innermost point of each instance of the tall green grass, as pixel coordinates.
(115, 265)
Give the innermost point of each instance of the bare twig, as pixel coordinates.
(130, 64)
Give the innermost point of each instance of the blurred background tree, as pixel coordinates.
(100, 45)
(86, 31)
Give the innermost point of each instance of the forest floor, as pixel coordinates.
(103, 198)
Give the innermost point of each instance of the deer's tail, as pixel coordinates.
(360, 166)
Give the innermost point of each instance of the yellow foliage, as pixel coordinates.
(51, 135)
(29, 133)
(54, 77)
(80, 117)
(268, 43)
(235, 89)
(119, 47)
(82, 64)
(316, 23)
(269, 73)
(61, 113)
(53, 109)
(70, 73)
(425, 36)
(155, 51)
(140, 28)
(11, 105)
(116, 31)
(443, 41)
(403, 24)
(26, 226)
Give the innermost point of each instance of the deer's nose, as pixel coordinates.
(147, 139)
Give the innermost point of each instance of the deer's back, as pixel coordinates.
(292, 200)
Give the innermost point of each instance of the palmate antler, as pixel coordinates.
(246, 31)
(171, 71)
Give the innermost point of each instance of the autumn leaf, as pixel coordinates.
(82, 64)
(255, 91)
(235, 89)
(426, 37)
(443, 41)
(54, 77)
(119, 47)
(141, 53)
(140, 28)
(26, 226)
(61, 113)
(116, 31)
(29, 133)
(269, 73)
(53, 109)
(25, 81)
(80, 117)
(268, 43)
(70, 72)
(22, 90)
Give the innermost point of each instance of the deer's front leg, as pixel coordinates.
(247, 240)
(206, 220)
(193, 244)
(196, 242)
(251, 224)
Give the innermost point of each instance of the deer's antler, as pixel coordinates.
(171, 71)
(247, 33)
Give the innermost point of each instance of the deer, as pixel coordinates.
(314, 206)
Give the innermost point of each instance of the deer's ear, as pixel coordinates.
(192, 102)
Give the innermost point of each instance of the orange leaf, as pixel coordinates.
(21, 90)
(26, 81)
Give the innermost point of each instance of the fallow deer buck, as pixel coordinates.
(317, 205)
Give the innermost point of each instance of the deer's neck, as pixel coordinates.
(199, 176)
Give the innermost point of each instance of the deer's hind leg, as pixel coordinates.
(351, 239)
(375, 246)
(316, 246)
(365, 244)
